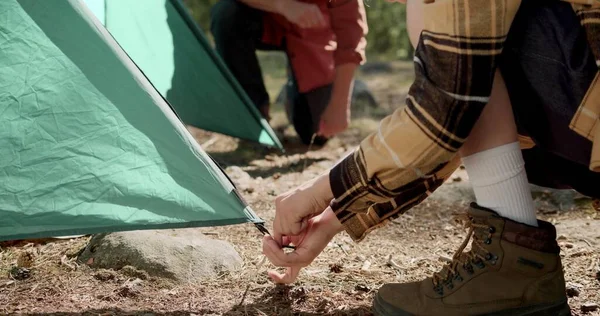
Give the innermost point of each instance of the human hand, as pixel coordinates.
(305, 15)
(294, 208)
(309, 244)
(334, 120)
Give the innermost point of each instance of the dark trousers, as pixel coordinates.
(237, 30)
(548, 66)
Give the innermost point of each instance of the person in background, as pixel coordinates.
(324, 41)
(510, 89)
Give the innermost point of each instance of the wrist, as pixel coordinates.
(333, 224)
(324, 188)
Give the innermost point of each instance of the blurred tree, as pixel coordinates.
(387, 38)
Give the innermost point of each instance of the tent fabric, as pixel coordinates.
(171, 50)
(87, 145)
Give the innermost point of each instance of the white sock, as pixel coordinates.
(500, 183)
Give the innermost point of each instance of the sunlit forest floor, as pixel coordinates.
(341, 281)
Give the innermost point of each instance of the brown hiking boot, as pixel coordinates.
(512, 269)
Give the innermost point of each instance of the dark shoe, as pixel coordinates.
(512, 269)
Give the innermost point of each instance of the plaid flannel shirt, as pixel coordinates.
(415, 149)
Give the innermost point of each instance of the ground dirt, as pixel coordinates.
(341, 281)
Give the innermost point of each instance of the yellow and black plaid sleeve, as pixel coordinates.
(415, 148)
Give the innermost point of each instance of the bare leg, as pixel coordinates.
(494, 162)
(496, 125)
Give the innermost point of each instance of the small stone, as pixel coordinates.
(361, 288)
(130, 288)
(573, 289)
(589, 307)
(134, 283)
(568, 245)
(598, 275)
(19, 273)
(366, 265)
(335, 268)
(249, 190)
(277, 176)
(562, 237)
(104, 275)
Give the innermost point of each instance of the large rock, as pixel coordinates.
(181, 254)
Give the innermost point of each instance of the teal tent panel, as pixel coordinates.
(167, 45)
(99, 9)
(87, 145)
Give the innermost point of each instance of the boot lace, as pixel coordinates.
(481, 234)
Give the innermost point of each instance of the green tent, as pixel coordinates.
(171, 50)
(87, 145)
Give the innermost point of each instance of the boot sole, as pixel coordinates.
(383, 308)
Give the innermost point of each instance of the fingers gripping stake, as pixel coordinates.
(261, 227)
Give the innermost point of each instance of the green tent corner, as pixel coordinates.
(87, 144)
(167, 45)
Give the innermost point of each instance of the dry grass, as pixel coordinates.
(339, 282)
